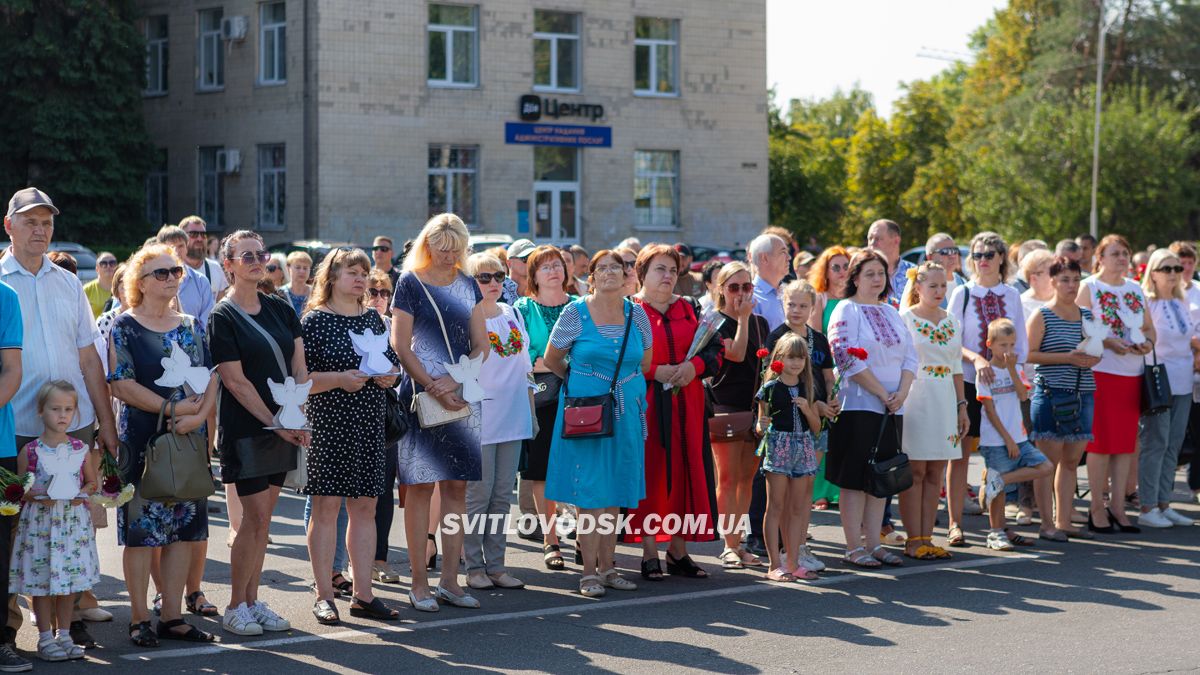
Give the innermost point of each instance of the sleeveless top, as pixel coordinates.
(1060, 337)
(830, 303)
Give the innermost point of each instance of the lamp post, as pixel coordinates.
(1094, 219)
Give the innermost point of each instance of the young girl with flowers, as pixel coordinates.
(787, 417)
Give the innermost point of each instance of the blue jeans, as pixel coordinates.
(341, 559)
(995, 458)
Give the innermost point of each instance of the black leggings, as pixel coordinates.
(253, 486)
(385, 505)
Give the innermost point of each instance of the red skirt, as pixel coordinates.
(1118, 407)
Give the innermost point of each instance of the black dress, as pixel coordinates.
(346, 458)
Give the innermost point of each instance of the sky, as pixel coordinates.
(816, 46)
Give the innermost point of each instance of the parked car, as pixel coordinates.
(315, 248)
(482, 242)
(916, 255)
(702, 254)
(85, 258)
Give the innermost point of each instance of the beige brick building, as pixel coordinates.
(343, 119)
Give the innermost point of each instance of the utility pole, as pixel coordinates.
(1101, 29)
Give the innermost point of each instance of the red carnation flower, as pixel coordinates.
(777, 366)
(762, 353)
(111, 485)
(13, 493)
(858, 353)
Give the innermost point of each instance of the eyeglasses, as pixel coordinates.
(106, 263)
(272, 268)
(377, 292)
(162, 274)
(489, 277)
(1170, 269)
(949, 250)
(610, 269)
(550, 267)
(251, 257)
(197, 234)
(983, 255)
(382, 247)
(839, 267)
(740, 288)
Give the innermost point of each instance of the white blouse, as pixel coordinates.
(1174, 328)
(880, 331)
(506, 415)
(987, 304)
(1105, 301)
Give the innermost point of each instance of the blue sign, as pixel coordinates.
(574, 136)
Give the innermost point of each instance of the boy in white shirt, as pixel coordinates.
(1009, 456)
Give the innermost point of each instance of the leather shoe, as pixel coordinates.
(506, 580)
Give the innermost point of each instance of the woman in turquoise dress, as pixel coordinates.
(601, 475)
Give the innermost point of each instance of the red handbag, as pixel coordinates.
(592, 416)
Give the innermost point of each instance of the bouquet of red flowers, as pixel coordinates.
(13, 487)
(113, 491)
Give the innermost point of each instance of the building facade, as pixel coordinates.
(562, 121)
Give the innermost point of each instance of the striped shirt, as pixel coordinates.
(1060, 337)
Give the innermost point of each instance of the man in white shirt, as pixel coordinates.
(196, 296)
(197, 250)
(58, 320)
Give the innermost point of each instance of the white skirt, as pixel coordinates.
(931, 419)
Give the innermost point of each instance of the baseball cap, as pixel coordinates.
(520, 249)
(29, 198)
(683, 249)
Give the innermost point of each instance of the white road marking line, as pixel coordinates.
(741, 590)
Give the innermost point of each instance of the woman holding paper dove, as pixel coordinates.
(678, 460)
(256, 339)
(437, 320)
(142, 340)
(1119, 302)
(350, 363)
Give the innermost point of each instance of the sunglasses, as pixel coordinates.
(489, 277)
(272, 268)
(251, 257)
(385, 249)
(740, 288)
(106, 263)
(197, 235)
(629, 264)
(983, 255)
(839, 267)
(949, 250)
(377, 292)
(162, 274)
(1170, 269)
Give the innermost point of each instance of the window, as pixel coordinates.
(453, 176)
(656, 189)
(555, 51)
(656, 56)
(453, 41)
(211, 72)
(210, 193)
(156, 55)
(156, 191)
(272, 188)
(272, 39)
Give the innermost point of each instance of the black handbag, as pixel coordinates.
(546, 389)
(592, 416)
(262, 455)
(395, 420)
(1156, 388)
(891, 476)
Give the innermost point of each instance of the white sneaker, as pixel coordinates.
(1011, 511)
(1176, 517)
(809, 561)
(240, 621)
(994, 487)
(1154, 518)
(971, 507)
(998, 541)
(267, 618)
(95, 614)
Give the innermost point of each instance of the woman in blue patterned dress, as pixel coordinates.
(432, 295)
(601, 475)
(140, 339)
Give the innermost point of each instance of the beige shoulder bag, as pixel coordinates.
(430, 411)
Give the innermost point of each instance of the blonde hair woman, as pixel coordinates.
(435, 295)
(299, 265)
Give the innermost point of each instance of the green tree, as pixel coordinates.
(71, 114)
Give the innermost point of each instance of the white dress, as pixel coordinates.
(931, 410)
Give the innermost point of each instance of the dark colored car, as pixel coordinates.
(315, 248)
(702, 254)
(916, 255)
(85, 258)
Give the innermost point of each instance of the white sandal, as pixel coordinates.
(611, 579)
(50, 650)
(590, 586)
(731, 559)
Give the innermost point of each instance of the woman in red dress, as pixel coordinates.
(679, 474)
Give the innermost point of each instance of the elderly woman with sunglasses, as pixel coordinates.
(141, 338)
(540, 310)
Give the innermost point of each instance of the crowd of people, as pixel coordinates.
(620, 386)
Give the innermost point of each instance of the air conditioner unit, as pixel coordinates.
(229, 161)
(233, 28)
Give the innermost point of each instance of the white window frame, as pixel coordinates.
(553, 39)
(272, 216)
(471, 32)
(209, 40)
(214, 218)
(279, 55)
(654, 177)
(156, 82)
(448, 174)
(656, 44)
(156, 191)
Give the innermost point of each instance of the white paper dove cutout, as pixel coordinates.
(290, 396)
(62, 464)
(466, 373)
(372, 348)
(178, 371)
(1094, 334)
(1133, 325)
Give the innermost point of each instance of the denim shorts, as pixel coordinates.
(1047, 426)
(996, 458)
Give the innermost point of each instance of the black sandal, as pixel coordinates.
(432, 563)
(344, 587)
(374, 609)
(326, 612)
(553, 558)
(142, 634)
(652, 569)
(685, 566)
(205, 608)
(193, 635)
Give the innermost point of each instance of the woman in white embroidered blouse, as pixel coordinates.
(982, 300)
(874, 384)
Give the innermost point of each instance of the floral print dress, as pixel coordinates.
(54, 552)
(931, 411)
